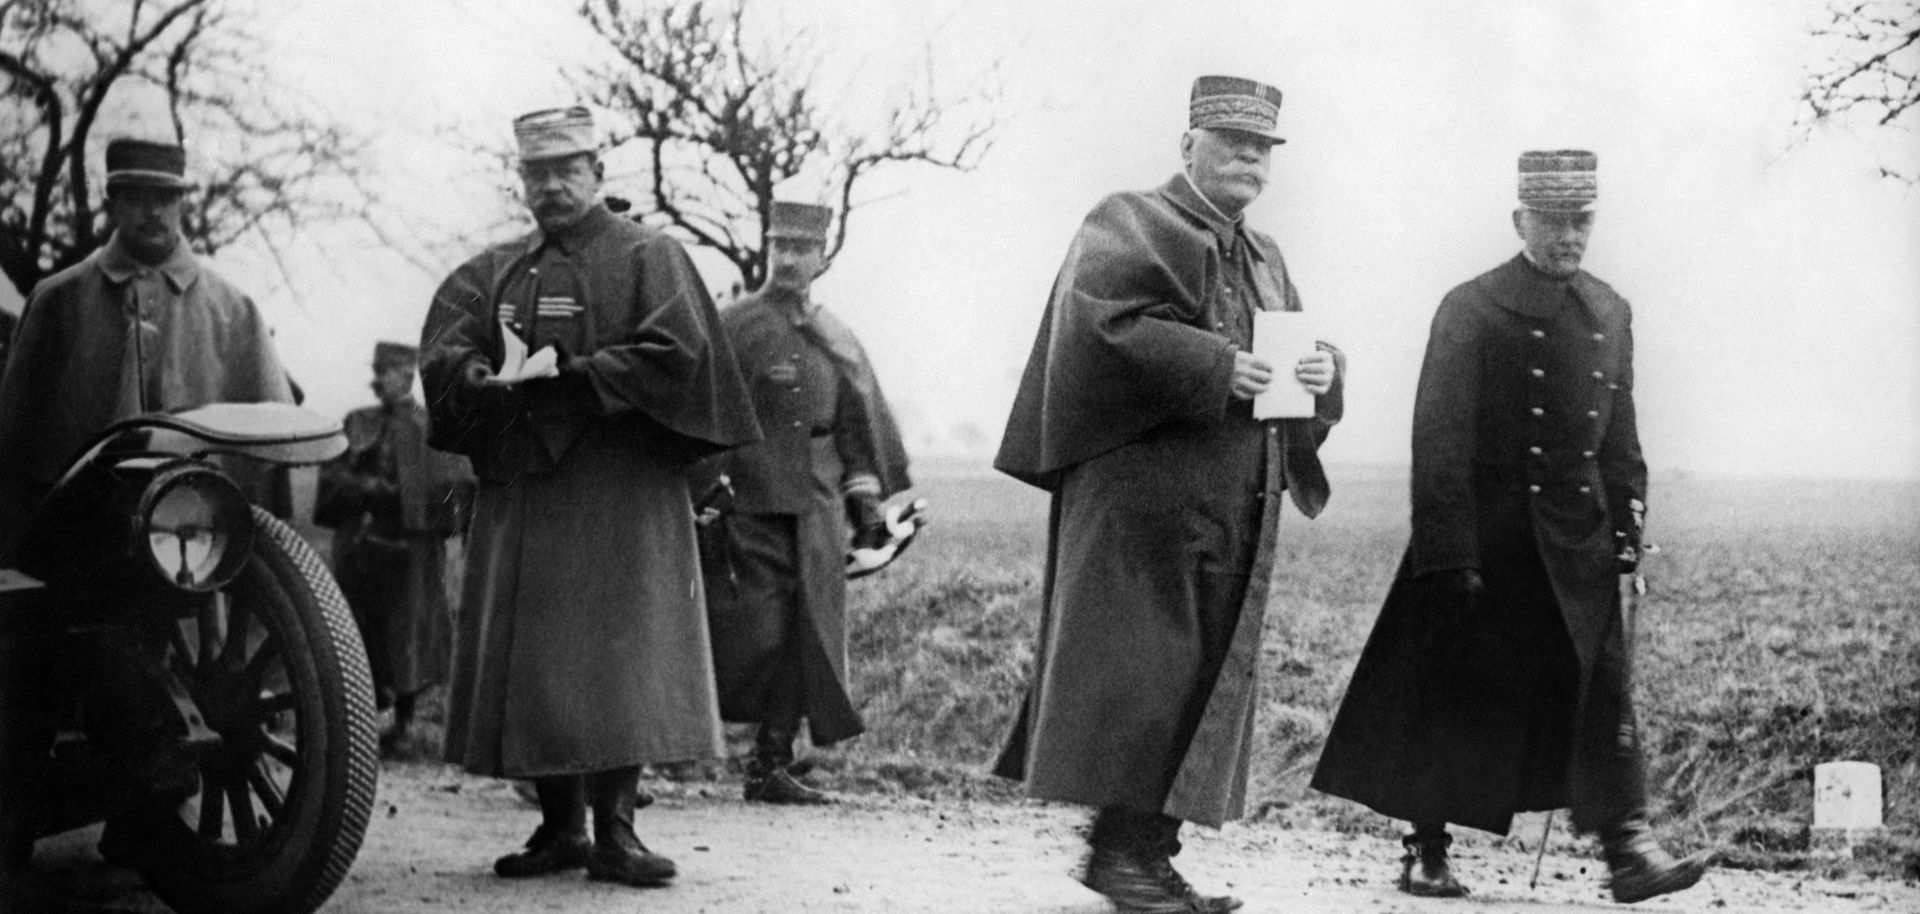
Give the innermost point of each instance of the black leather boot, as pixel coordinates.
(618, 855)
(1639, 868)
(1145, 882)
(560, 843)
(1425, 870)
(770, 773)
(1131, 862)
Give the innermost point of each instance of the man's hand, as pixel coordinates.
(478, 373)
(1455, 593)
(1315, 372)
(1250, 376)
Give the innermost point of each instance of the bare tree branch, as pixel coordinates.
(722, 121)
(278, 166)
(1868, 68)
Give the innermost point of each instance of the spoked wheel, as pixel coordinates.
(276, 667)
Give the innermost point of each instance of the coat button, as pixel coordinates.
(1599, 337)
(1599, 375)
(1539, 334)
(796, 423)
(1534, 489)
(1537, 411)
(1587, 454)
(1611, 385)
(1586, 490)
(1535, 450)
(1593, 414)
(1538, 373)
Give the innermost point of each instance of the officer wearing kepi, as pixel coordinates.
(582, 651)
(1497, 679)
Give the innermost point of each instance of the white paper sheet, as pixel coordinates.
(1282, 339)
(516, 365)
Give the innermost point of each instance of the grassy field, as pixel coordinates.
(1779, 632)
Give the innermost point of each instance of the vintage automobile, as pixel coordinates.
(178, 663)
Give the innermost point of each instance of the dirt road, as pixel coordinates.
(436, 831)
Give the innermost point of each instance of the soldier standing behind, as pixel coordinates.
(394, 505)
(776, 585)
(1497, 678)
(582, 650)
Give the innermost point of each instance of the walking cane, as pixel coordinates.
(1541, 853)
(1636, 587)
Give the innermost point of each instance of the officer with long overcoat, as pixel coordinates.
(1496, 679)
(1135, 413)
(583, 370)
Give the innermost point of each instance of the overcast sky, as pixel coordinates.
(1776, 288)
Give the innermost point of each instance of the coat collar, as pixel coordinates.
(573, 237)
(1522, 288)
(180, 269)
(1185, 198)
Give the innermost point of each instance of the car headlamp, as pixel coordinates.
(194, 526)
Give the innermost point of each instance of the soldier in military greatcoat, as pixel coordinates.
(775, 561)
(582, 369)
(1497, 678)
(1136, 414)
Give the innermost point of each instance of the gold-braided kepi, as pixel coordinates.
(1233, 103)
(1559, 180)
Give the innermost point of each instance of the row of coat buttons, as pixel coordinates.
(1542, 372)
(1542, 334)
(1584, 490)
(1541, 411)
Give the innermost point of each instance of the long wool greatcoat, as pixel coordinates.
(394, 504)
(783, 549)
(582, 644)
(109, 338)
(1166, 501)
(1526, 466)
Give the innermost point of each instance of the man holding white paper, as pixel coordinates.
(1137, 413)
(582, 651)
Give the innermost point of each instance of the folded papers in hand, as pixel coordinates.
(516, 365)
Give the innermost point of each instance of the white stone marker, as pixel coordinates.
(1846, 800)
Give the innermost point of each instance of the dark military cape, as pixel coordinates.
(1526, 466)
(758, 568)
(71, 372)
(1165, 513)
(582, 643)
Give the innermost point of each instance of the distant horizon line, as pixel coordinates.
(962, 463)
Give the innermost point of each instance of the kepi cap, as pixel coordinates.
(394, 355)
(1559, 180)
(146, 163)
(1233, 103)
(805, 221)
(553, 133)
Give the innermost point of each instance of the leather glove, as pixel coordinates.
(1456, 592)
